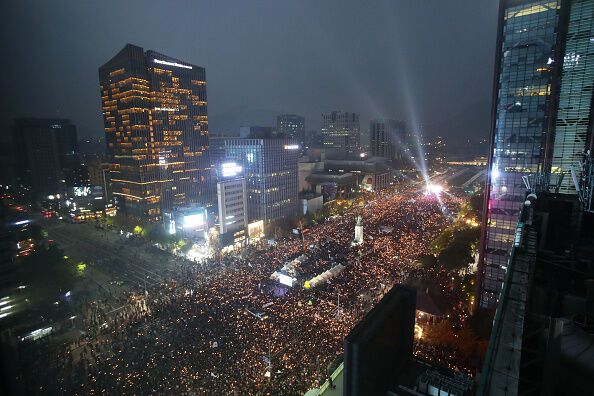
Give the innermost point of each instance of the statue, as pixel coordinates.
(358, 232)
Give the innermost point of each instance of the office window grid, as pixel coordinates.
(523, 100)
(575, 98)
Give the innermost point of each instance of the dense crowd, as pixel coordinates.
(229, 329)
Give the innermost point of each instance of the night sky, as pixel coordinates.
(429, 62)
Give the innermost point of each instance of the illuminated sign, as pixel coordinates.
(37, 334)
(571, 59)
(230, 169)
(256, 230)
(194, 220)
(162, 62)
(291, 147)
(81, 191)
(165, 109)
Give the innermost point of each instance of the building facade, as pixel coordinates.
(46, 152)
(541, 116)
(232, 199)
(291, 126)
(385, 137)
(341, 131)
(99, 175)
(270, 171)
(156, 127)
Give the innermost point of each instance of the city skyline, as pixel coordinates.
(335, 198)
(323, 65)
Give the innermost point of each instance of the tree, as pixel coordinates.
(427, 261)
(441, 333)
(121, 221)
(48, 273)
(458, 254)
(442, 241)
(476, 203)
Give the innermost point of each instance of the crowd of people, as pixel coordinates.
(231, 329)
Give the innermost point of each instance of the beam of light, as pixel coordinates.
(435, 189)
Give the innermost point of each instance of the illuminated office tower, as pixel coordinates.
(270, 172)
(542, 115)
(341, 131)
(232, 201)
(156, 127)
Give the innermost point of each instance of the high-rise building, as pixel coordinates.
(270, 169)
(156, 127)
(46, 153)
(542, 115)
(232, 200)
(341, 131)
(385, 136)
(99, 175)
(291, 126)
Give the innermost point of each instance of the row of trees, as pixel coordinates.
(464, 341)
(49, 274)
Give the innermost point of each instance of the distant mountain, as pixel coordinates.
(230, 121)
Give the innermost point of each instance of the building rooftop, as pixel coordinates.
(541, 337)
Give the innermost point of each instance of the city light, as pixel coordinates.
(495, 174)
(230, 169)
(434, 189)
(194, 220)
(162, 62)
(291, 146)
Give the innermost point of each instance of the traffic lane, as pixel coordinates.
(113, 254)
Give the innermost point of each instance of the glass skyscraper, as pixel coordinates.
(573, 124)
(156, 126)
(270, 171)
(543, 72)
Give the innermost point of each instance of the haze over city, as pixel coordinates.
(426, 62)
(297, 198)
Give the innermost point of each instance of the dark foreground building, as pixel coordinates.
(378, 356)
(541, 117)
(46, 155)
(156, 128)
(541, 341)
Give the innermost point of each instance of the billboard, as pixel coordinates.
(256, 230)
(187, 220)
(230, 169)
(194, 220)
